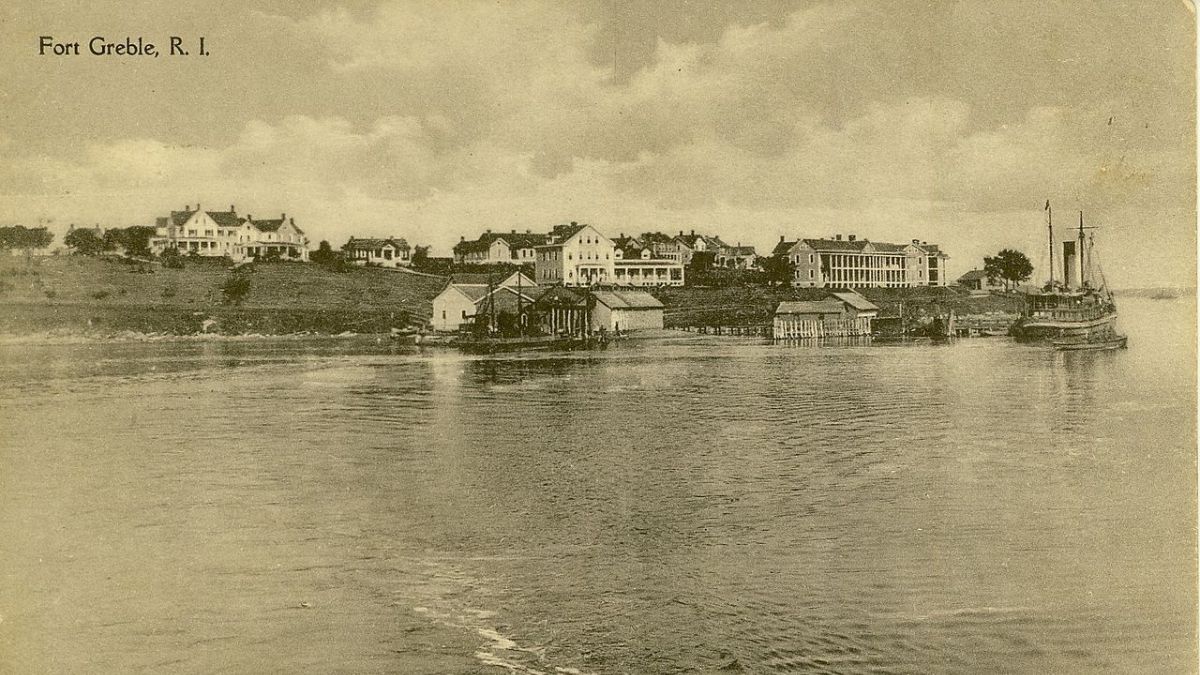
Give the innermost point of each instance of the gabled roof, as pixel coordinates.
(267, 225)
(627, 300)
(973, 275)
(363, 244)
(560, 296)
(225, 218)
(783, 247)
(835, 244)
(474, 292)
(739, 250)
(495, 280)
(856, 301)
(690, 240)
(180, 217)
(830, 306)
(562, 233)
(513, 239)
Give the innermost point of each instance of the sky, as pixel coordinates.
(950, 122)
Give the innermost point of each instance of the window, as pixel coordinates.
(810, 258)
(443, 315)
(810, 274)
(464, 314)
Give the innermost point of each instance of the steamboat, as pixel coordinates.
(1078, 312)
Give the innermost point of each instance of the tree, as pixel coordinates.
(1008, 265)
(323, 255)
(702, 261)
(420, 256)
(651, 238)
(135, 240)
(778, 269)
(21, 238)
(84, 241)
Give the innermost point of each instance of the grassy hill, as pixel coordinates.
(106, 295)
(753, 305)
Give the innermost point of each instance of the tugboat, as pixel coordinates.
(1077, 313)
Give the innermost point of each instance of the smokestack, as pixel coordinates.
(1069, 263)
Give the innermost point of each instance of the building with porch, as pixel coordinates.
(390, 252)
(861, 263)
(493, 248)
(635, 264)
(225, 233)
(575, 255)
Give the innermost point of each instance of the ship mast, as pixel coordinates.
(1082, 269)
(1050, 225)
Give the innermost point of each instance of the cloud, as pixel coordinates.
(433, 121)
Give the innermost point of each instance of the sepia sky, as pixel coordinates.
(950, 122)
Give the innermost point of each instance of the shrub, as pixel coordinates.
(169, 292)
(100, 295)
(171, 259)
(235, 289)
(51, 293)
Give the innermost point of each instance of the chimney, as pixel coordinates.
(187, 207)
(924, 242)
(1070, 274)
(837, 237)
(528, 231)
(461, 238)
(573, 223)
(681, 233)
(781, 238)
(489, 231)
(916, 241)
(693, 233)
(283, 216)
(851, 237)
(197, 206)
(231, 209)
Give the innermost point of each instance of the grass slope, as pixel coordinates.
(107, 295)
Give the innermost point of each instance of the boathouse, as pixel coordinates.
(625, 310)
(839, 315)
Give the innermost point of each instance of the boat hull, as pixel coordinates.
(1042, 330)
(1120, 342)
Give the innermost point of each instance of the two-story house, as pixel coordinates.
(493, 248)
(635, 264)
(575, 255)
(225, 233)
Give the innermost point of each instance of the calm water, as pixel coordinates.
(657, 508)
